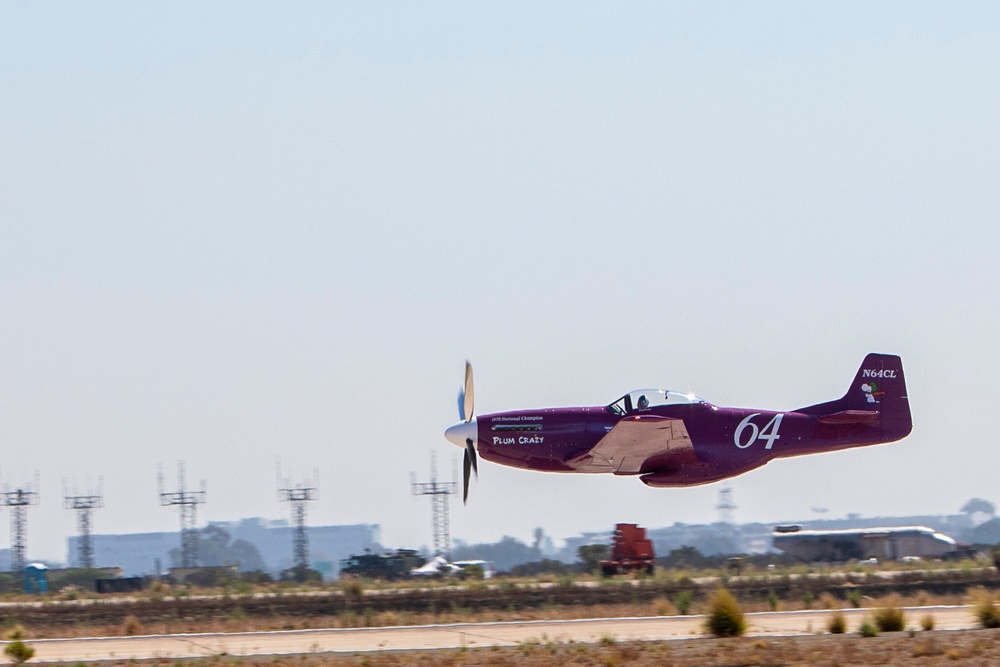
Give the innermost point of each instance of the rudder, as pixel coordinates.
(878, 391)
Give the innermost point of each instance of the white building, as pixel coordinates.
(890, 543)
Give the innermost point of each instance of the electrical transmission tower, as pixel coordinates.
(84, 505)
(726, 506)
(188, 502)
(18, 500)
(298, 495)
(439, 492)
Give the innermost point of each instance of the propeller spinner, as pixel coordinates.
(465, 433)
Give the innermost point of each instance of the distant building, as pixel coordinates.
(137, 553)
(327, 544)
(883, 543)
(141, 553)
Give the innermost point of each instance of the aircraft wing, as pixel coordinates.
(633, 441)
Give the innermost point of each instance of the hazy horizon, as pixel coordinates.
(817, 515)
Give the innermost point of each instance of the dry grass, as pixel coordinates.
(938, 648)
(131, 626)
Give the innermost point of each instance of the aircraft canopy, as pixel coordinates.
(634, 400)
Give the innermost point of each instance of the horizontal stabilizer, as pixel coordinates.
(866, 417)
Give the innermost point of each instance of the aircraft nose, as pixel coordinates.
(462, 431)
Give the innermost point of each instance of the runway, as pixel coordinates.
(471, 635)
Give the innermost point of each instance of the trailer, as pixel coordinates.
(631, 551)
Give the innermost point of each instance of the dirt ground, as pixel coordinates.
(235, 621)
(923, 649)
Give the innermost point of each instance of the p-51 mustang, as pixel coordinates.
(672, 439)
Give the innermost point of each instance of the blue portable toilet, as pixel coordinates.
(36, 578)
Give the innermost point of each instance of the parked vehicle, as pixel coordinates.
(631, 551)
(382, 566)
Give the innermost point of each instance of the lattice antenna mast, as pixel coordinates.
(726, 506)
(298, 495)
(439, 493)
(18, 501)
(84, 505)
(187, 502)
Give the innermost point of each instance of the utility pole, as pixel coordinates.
(18, 501)
(439, 493)
(188, 502)
(298, 495)
(726, 506)
(84, 505)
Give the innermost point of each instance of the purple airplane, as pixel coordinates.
(671, 439)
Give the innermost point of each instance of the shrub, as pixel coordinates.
(772, 600)
(889, 616)
(18, 651)
(353, 588)
(927, 623)
(725, 617)
(131, 626)
(837, 625)
(592, 555)
(985, 609)
(855, 597)
(528, 645)
(683, 602)
(868, 629)
(662, 607)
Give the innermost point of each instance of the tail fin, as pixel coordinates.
(877, 396)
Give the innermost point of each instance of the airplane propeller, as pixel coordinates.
(466, 409)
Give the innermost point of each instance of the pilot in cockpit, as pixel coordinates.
(643, 402)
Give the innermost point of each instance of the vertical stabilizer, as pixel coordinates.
(877, 395)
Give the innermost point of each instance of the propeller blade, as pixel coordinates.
(468, 395)
(471, 451)
(466, 465)
(466, 411)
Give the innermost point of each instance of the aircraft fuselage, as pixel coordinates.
(680, 440)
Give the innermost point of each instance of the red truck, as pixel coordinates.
(631, 551)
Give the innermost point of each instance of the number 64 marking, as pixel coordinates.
(768, 434)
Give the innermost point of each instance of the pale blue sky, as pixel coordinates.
(236, 230)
